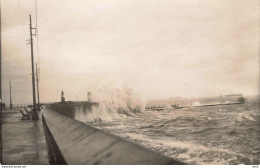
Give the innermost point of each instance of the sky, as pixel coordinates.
(160, 49)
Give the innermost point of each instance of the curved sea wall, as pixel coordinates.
(80, 144)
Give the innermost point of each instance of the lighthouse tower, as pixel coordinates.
(62, 97)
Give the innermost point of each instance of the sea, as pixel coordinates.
(194, 134)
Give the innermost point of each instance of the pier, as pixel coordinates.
(23, 141)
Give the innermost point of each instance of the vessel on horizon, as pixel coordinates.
(238, 94)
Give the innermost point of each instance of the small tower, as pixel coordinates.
(89, 97)
(62, 97)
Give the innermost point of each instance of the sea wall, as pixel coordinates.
(80, 144)
(69, 108)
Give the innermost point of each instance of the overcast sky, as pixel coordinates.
(160, 48)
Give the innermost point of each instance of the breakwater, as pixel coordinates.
(69, 108)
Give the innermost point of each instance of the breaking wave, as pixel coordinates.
(245, 116)
(118, 101)
(197, 103)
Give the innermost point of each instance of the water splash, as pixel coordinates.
(244, 116)
(197, 103)
(116, 101)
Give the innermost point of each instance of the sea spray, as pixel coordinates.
(197, 103)
(115, 101)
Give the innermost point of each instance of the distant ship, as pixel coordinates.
(174, 97)
(233, 95)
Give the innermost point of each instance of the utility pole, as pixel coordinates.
(10, 88)
(35, 114)
(1, 100)
(37, 80)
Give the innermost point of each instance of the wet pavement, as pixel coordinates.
(23, 141)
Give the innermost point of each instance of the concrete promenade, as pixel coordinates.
(23, 141)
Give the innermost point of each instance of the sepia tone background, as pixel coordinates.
(160, 49)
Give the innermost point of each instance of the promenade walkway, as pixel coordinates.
(23, 141)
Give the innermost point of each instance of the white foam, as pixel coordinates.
(244, 116)
(113, 102)
(183, 150)
(197, 103)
